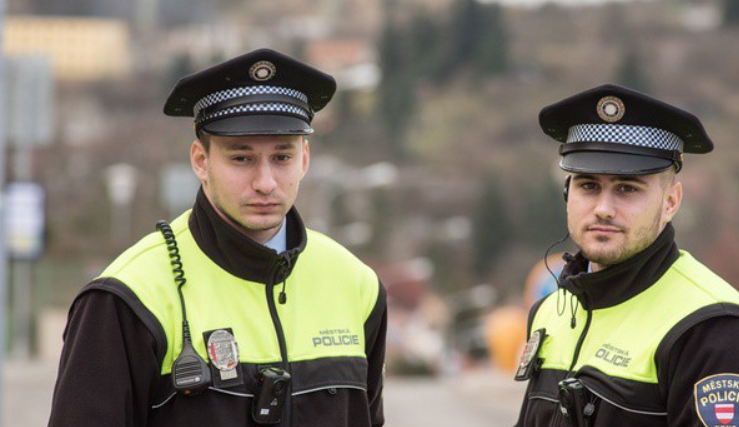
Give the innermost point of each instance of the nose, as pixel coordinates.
(605, 207)
(264, 181)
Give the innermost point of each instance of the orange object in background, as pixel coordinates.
(541, 282)
(505, 327)
(505, 336)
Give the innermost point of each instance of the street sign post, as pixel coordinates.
(28, 108)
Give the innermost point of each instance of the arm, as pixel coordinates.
(375, 329)
(708, 348)
(529, 324)
(109, 366)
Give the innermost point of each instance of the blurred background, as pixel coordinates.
(429, 163)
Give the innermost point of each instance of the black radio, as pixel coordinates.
(274, 385)
(575, 402)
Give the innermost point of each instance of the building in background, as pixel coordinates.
(81, 49)
(352, 62)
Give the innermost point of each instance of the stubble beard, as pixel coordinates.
(239, 222)
(642, 239)
(252, 226)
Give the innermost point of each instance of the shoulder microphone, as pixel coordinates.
(190, 373)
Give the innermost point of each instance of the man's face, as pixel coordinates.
(611, 218)
(252, 181)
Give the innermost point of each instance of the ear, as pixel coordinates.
(199, 161)
(671, 203)
(306, 157)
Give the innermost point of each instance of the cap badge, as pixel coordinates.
(262, 71)
(611, 109)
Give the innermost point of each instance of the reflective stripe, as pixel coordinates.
(634, 411)
(548, 399)
(232, 393)
(328, 388)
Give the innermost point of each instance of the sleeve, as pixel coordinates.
(532, 314)
(375, 331)
(522, 412)
(708, 349)
(109, 366)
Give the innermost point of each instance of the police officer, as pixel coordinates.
(235, 314)
(640, 332)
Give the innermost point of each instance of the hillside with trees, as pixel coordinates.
(478, 190)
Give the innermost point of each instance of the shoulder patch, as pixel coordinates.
(716, 400)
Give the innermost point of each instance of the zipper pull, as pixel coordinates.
(283, 295)
(284, 266)
(574, 304)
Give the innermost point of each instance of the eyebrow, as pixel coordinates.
(618, 178)
(244, 146)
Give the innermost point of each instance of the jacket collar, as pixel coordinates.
(619, 283)
(240, 255)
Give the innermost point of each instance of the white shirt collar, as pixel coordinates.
(279, 241)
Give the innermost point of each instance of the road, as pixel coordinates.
(483, 398)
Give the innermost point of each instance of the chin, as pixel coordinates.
(602, 255)
(261, 224)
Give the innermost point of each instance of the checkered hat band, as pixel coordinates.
(273, 108)
(240, 92)
(641, 136)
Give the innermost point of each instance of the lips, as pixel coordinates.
(263, 206)
(604, 229)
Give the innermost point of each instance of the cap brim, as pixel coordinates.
(257, 125)
(613, 163)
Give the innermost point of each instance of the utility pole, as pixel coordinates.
(29, 99)
(3, 256)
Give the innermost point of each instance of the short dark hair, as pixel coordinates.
(204, 139)
(668, 177)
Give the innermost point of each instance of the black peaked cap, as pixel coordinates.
(612, 129)
(263, 92)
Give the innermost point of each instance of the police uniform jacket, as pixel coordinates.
(651, 339)
(124, 331)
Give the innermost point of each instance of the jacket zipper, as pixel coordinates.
(556, 419)
(278, 270)
(583, 334)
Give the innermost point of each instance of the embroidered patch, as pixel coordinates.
(716, 400)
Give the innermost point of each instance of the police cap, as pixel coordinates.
(614, 130)
(263, 92)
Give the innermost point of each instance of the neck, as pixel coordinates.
(620, 282)
(259, 236)
(597, 267)
(236, 253)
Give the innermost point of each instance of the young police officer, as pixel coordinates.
(641, 333)
(236, 314)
